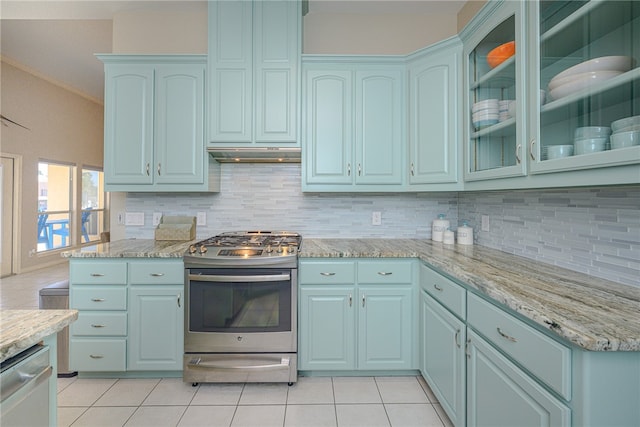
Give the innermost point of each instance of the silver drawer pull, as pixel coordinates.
(97, 326)
(156, 274)
(97, 299)
(437, 288)
(385, 273)
(456, 338)
(327, 274)
(96, 356)
(505, 336)
(96, 275)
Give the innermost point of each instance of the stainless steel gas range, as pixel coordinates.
(241, 316)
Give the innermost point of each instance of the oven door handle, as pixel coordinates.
(197, 363)
(236, 279)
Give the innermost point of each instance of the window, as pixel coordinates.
(61, 223)
(54, 205)
(92, 212)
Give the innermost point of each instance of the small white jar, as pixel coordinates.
(438, 227)
(448, 237)
(465, 234)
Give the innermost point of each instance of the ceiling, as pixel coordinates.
(58, 39)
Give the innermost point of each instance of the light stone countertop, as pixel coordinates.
(592, 313)
(133, 248)
(20, 329)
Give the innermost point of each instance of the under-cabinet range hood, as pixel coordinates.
(256, 155)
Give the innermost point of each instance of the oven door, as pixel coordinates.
(240, 310)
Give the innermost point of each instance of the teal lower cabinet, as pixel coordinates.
(326, 324)
(501, 394)
(156, 319)
(348, 325)
(130, 315)
(508, 371)
(442, 361)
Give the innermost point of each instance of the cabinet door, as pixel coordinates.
(385, 327)
(326, 323)
(276, 53)
(128, 136)
(567, 34)
(433, 118)
(328, 123)
(500, 394)
(442, 356)
(495, 141)
(230, 71)
(179, 129)
(156, 319)
(379, 126)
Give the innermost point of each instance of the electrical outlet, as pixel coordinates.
(157, 217)
(120, 218)
(201, 219)
(485, 222)
(376, 218)
(134, 218)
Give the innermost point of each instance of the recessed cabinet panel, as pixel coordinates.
(329, 136)
(179, 125)
(128, 124)
(378, 130)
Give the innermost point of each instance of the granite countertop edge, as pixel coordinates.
(21, 329)
(592, 313)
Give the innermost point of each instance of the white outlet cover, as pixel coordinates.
(157, 216)
(134, 218)
(201, 218)
(376, 218)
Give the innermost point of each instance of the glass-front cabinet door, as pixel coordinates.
(587, 55)
(494, 74)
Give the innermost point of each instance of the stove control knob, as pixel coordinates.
(279, 249)
(192, 249)
(203, 249)
(269, 249)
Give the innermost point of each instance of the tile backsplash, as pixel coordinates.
(593, 230)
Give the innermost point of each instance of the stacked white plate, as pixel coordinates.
(626, 132)
(588, 73)
(590, 139)
(485, 113)
(503, 110)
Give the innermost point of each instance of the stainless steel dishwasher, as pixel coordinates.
(24, 388)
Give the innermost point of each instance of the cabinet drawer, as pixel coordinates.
(156, 273)
(98, 272)
(381, 271)
(98, 355)
(448, 293)
(100, 324)
(326, 272)
(98, 298)
(541, 355)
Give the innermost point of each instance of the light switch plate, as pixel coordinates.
(376, 218)
(485, 222)
(157, 216)
(134, 218)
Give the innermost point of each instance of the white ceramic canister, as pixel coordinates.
(465, 234)
(438, 227)
(448, 237)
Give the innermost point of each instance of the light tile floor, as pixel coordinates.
(311, 402)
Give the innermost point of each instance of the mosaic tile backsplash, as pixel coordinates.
(596, 231)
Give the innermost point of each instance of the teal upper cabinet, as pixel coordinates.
(434, 117)
(154, 124)
(253, 77)
(587, 57)
(353, 125)
(492, 79)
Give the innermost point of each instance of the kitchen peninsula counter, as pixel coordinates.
(592, 313)
(133, 248)
(20, 329)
